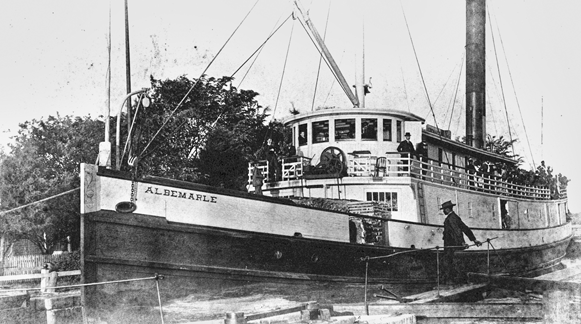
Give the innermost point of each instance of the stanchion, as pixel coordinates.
(488, 256)
(438, 269)
(157, 278)
(366, 269)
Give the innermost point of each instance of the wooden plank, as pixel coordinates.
(521, 284)
(562, 275)
(40, 275)
(443, 294)
(254, 317)
(451, 310)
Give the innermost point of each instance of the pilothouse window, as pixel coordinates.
(321, 131)
(303, 134)
(344, 129)
(387, 130)
(369, 129)
(398, 130)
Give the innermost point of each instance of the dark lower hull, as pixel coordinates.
(209, 262)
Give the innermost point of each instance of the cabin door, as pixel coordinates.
(506, 214)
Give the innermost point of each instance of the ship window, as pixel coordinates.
(386, 199)
(303, 134)
(344, 129)
(387, 130)
(369, 129)
(321, 131)
(398, 130)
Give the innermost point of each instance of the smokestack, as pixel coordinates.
(475, 73)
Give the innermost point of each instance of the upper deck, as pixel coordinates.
(394, 164)
(359, 142)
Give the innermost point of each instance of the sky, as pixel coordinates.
(55, 61)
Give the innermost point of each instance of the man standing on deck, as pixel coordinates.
(422, 153)
(406, 147)
(454, 230)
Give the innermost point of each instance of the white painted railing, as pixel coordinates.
(398, 165)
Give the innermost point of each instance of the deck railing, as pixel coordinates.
(400, 165)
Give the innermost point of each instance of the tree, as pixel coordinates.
(202, 130)
(501, 146)
(43, 162)
(212, 130)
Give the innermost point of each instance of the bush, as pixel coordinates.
(68, 261)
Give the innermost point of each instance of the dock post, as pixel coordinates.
(311, 312)
(235, 318)
(48, 281)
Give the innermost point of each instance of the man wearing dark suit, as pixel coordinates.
(422, 154)
(406, 147)
(454, 230)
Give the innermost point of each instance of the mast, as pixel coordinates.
(360, 65)
(542, 129)
(475, 73)
(128, 69)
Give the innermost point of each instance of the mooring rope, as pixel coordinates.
(422, 250)
(39, 201)
(156, 277)
(195, 83)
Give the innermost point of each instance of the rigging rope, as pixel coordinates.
(39, 201)
(260, 48)
(442, 90)
(500, 81)
(517, 102)
(334, 81)
(460, 115)
(197, 81)
(418, 63)
(456, 91)
(283, 71)
(346, 90)
(320, 59)
(488, 100)
(423, 80)
(405, 91)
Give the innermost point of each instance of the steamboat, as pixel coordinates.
(206, 241)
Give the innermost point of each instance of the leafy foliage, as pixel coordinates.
(209, 138)
(43, 162)
(501, 146)
(68, 261)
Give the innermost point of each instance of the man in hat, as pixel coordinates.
(407, 148)
(422, 154)
(454, 230)
(471, 170)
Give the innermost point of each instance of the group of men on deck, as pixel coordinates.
(406, 147)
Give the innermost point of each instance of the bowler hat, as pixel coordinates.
(447, 204)
(408, 134)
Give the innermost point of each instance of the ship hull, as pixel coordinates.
(196, 259)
